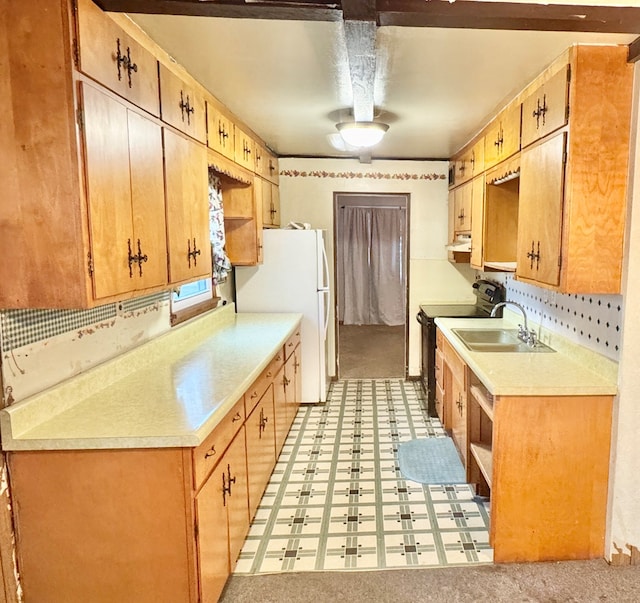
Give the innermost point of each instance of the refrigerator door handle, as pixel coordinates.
(326, 310)
(325, 269)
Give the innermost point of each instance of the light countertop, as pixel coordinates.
(570, 371)
(169, 392)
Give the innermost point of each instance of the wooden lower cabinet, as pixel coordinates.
(544, 462)
(156, 525)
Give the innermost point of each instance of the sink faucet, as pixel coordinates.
(526, 335)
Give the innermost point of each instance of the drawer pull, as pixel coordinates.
(236, 417)
(254, 394)
(210, 452)
(269, 374)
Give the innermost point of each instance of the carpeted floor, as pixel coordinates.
(568, 581)
(371, 351)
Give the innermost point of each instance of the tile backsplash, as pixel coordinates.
(594, 321)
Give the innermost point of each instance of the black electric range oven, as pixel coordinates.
(487, 293)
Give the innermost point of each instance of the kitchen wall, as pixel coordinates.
(624, 502)
(306, 195)
(43, 347)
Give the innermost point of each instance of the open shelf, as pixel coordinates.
(483, 401)
(482, 454)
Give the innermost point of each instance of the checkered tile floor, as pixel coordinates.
(337, 500)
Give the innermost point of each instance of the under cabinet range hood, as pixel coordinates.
(462, 243)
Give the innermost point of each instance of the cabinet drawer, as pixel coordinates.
(207, 455)
(260, 385)
(182, 106)
(111, 57)
(292, 343)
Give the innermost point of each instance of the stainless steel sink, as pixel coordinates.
(497, 340)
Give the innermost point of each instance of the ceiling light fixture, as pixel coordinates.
(362, 134)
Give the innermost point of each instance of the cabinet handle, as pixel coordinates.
(125, 61)
(462, 168)
(532, 255)
(222, 133)
(139, 258)
(541, 111)
(473, 160)
(192, 253)
(263, 422)
(296, 366)
(185, 107)
(254, 395)
(236, 417)
(285, 381)
(226, 485)
(210, 452)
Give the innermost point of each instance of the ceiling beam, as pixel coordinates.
(634, 51)
(359, 10)
(474, 14)
(232, 9)
(360, 37)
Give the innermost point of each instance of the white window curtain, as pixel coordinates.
(372, 268)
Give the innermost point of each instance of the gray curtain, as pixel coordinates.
(372, 270)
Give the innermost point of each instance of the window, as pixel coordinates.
(192, 299)
(191, 294)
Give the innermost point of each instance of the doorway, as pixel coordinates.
(371, 243)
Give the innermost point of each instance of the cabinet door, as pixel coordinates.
(182, 105)
(293, 390)
(235, 459)
(261, 449)
(503, 136)
(220, 135)
(108, 181)
(244, 149)
(477, 158)
(149, 242)
(280, 384)
(187, 208)
(477, 221)
(213, 535)
(459, 416)
(546, 109)
(263, 200)
(462, 196)
(540, 213)
(125, 196)
(275, 205)
(272, 171)
(117, 61)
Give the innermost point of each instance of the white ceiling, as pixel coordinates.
(289, 80)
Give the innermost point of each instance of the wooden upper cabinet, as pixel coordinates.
(462, 208)
(188, 233)
(182, 105)
(220, 131)
(540, 217)
(272, 169)
(546, 109)
(573, 187)
(502, 138)
(244, 149)
(125, 196)
(114, 59)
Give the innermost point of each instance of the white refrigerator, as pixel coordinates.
(294, 277)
